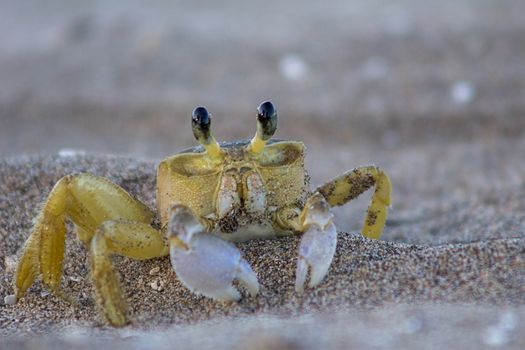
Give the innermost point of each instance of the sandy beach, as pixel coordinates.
(424, 282)
(434, 93)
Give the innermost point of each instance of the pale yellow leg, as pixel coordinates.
(43, 250)
(88, 201)
(132, 239)
(351, 184)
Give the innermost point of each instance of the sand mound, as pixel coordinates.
(395, 287)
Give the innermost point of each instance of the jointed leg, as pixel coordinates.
(351, 184)
(44, 249)
(319, 239)
(88, 201)
(132, 239)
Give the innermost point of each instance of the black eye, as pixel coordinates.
(266, 110)
(267, 120)
(200, 116)
(200, 124)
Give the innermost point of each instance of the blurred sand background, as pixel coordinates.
(432, 92)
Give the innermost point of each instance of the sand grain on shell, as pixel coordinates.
(365, 274)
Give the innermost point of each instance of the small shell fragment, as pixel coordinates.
(157, 285)
(10, 299)
(10, 263)
(154, 271)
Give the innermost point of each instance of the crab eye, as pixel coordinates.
(200, 124)
(266, 110)
(267, 119)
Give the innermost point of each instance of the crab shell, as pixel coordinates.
(191, 179)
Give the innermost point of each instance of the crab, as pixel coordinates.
(208, 197)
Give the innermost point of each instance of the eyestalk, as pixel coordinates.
(201, 126)
(266, 126)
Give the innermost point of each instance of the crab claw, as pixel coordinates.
(204, 263)
(317, 247)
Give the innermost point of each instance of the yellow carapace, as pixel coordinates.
(208, 197)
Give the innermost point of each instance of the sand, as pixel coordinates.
(431, 92)
(378, 293)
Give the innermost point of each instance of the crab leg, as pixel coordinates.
(132, 239)
(88, 201)
(204, 263)
(351, 184)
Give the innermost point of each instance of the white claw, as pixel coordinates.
(300, 274)
(316, 250)
(247, 277)
(209, 267)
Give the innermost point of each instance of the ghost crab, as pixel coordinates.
(207, 197)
